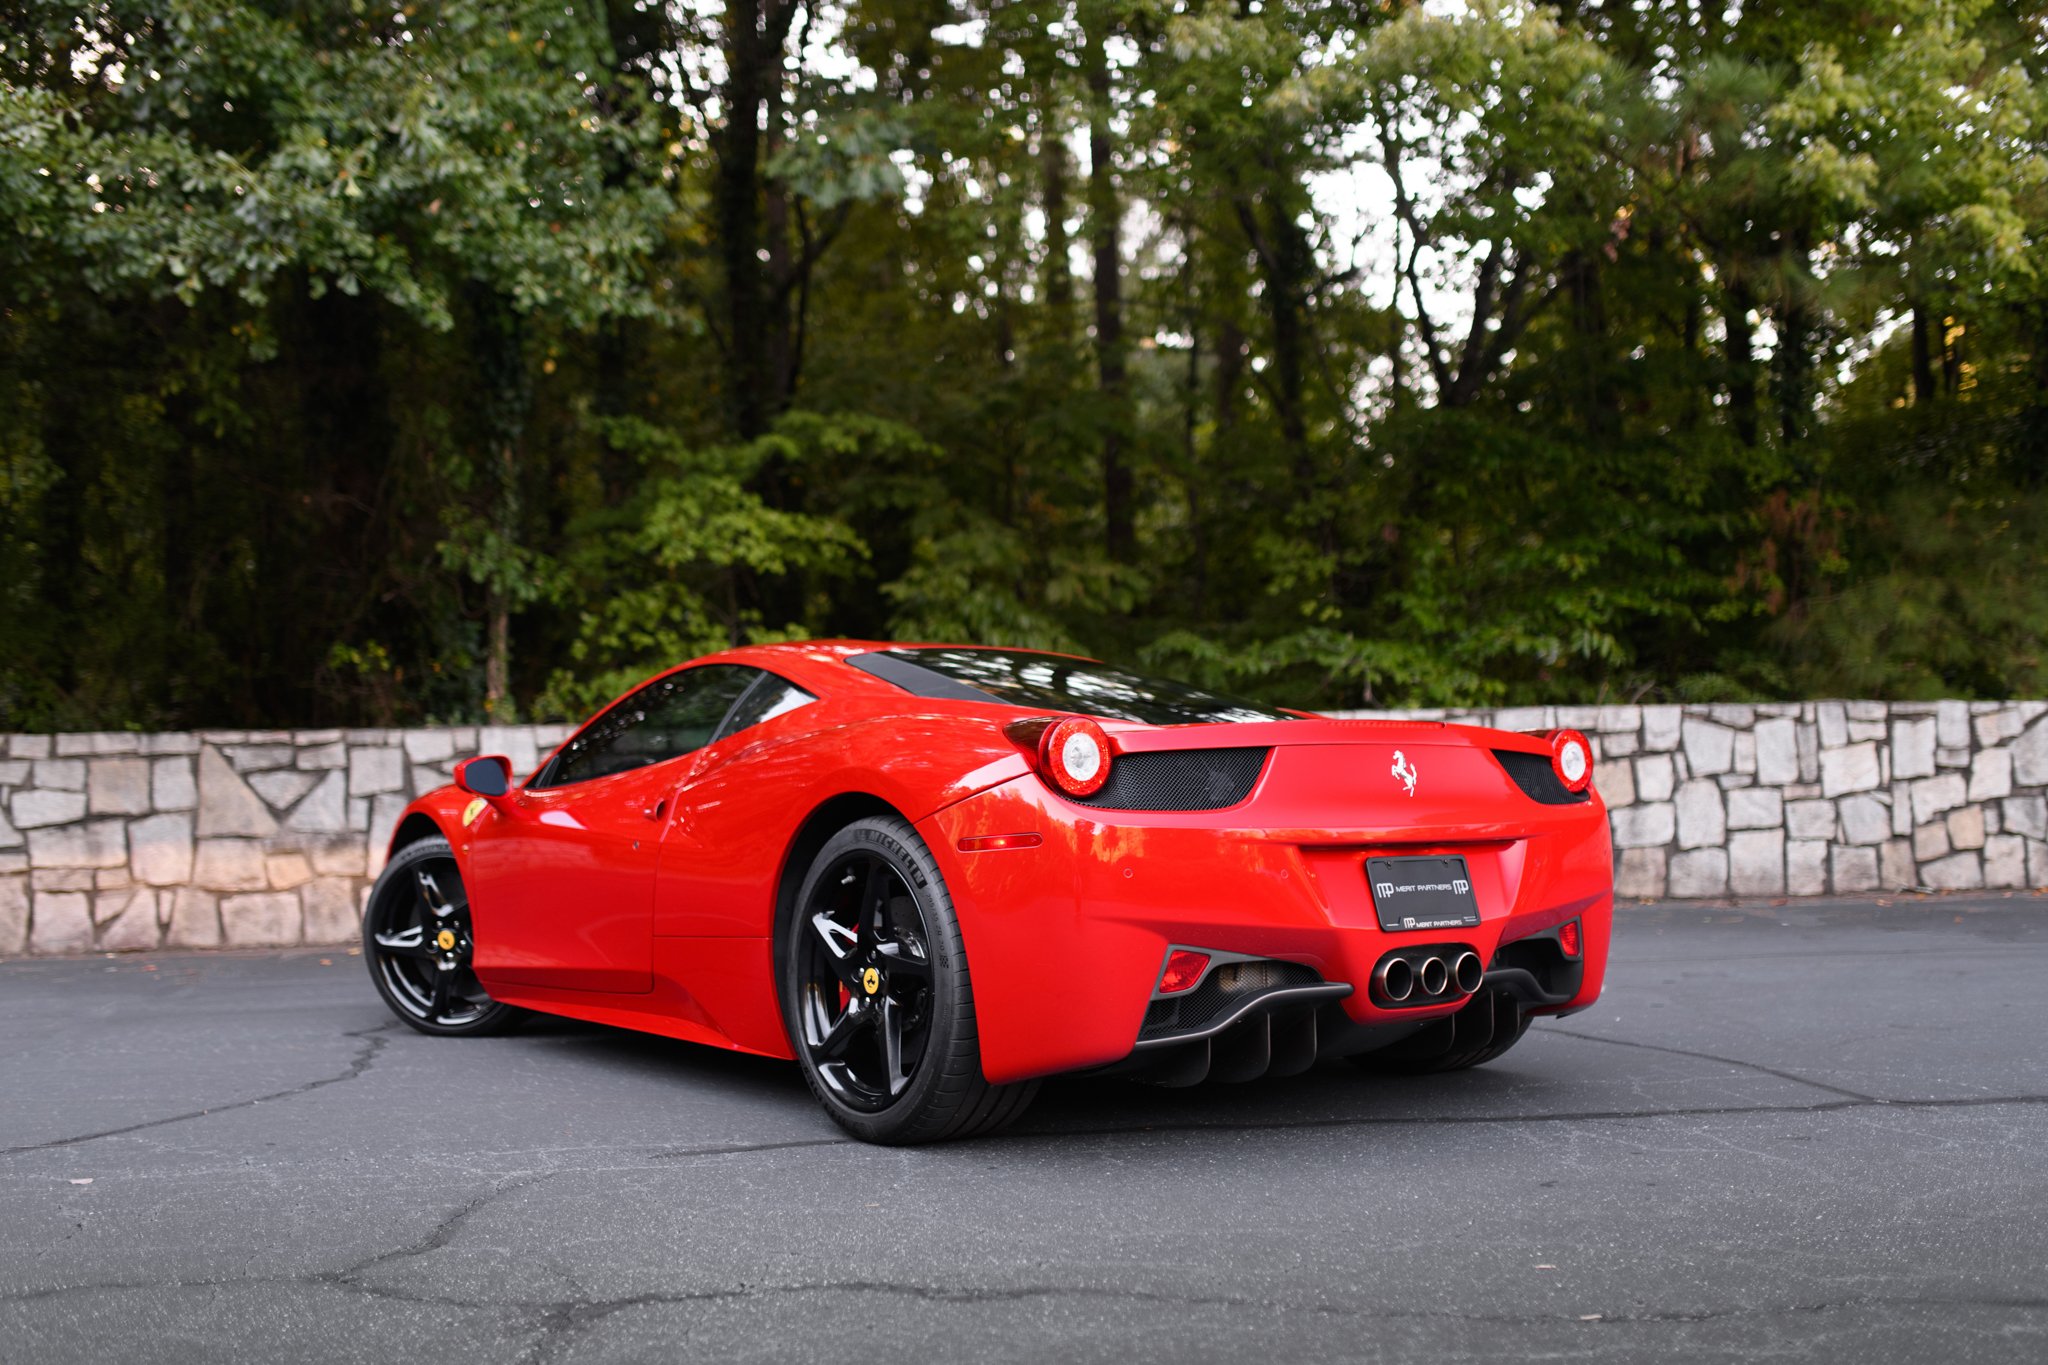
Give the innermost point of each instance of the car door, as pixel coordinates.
(563, 872)
(731, 820)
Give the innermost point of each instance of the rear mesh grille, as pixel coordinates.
(1179, 779)
(1222, 991)
(1538, 780)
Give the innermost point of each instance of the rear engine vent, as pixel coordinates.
(1226, 988)
(1538, 780)
(1179, 779)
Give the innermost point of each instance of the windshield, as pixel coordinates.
(1055, 682)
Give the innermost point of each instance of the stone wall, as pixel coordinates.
(1813, 798)
(267, 838)
(239, 838)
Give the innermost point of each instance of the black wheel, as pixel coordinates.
(877, 997)
(1489, 1024)
(417, 942)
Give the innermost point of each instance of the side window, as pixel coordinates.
(769, 697)
(669, 717)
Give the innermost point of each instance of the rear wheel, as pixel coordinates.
(417, 941)
(877, 995)
(1490, 1023)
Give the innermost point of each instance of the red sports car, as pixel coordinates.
(935, 874)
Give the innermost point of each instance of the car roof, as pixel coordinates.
(820, 664)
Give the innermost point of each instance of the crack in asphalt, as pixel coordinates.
(1711, 1057)
(557, 1317)
(443, 1232)
(373, 1041)
(1574, 1116)
(561, 1320)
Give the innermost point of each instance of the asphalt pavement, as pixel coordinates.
(1790, 1133)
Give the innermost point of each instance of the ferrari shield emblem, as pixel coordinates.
(474, 809)
(871, 980)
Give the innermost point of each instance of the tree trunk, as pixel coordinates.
(1104, 213)
(1191, 456)
(755, 31)
(498, 655)
(507, 398)
(1924, 390)
(1792, 363)
(1059, 278)
(1741, 363)
(1286, 288)
(1599, 416)
(1229, 372)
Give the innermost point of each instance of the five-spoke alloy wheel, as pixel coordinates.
(417, 941)
(877, 994)
(866, 984)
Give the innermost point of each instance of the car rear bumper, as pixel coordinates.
(1067, 939)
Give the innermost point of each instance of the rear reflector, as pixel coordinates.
(1184, 968)
(1568, 938)
(989, 843)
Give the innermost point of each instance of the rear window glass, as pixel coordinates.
(1055, 682)
(768, 698)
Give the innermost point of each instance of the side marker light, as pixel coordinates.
(990, 843)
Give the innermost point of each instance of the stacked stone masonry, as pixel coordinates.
(271, 838)
(245, 838)
(1812, 798)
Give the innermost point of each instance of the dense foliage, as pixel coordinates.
(386, 360)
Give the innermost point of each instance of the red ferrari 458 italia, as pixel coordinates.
(933, 875)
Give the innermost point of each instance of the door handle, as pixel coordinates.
(657, 810)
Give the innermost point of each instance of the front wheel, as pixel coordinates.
(417, 941)
(877, 996)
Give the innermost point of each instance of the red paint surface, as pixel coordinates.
(586, 907)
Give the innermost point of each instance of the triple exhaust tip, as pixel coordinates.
(1468, 971)
(1398, 977)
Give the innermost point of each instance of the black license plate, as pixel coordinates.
(1422, 893)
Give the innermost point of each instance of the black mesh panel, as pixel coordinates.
(1538, 780)
(1179, 779)
(1222, 991)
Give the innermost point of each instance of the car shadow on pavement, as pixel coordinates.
(1333, 1094)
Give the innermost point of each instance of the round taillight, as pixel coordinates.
(1571, 757)
(1074, 753)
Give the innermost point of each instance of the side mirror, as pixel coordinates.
(489, 776)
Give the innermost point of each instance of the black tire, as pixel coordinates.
(1489, 1024)
(874, 949)
(423, 976)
